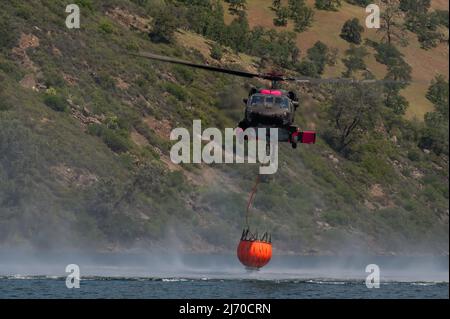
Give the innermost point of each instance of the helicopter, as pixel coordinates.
(266, 107)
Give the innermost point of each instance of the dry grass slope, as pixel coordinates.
(327, 27)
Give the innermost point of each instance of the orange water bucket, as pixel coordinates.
(254, 254)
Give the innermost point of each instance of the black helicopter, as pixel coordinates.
(266, 108)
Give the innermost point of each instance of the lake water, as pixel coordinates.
(212, 276)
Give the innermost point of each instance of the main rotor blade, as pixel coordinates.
(198, 66)
(309, 80)
(266, 76)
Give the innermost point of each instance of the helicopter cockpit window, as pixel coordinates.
(257, 100)
(282, 102)
(269, 101)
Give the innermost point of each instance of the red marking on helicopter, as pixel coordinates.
(308, 137)
(271, 92)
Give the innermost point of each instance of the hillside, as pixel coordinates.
(84, 144)
(327, 27)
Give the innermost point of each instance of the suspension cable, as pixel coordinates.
(251, 199)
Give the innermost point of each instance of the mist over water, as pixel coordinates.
(159, 274)
(160, 264)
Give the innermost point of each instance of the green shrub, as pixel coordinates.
(7, 33)
(387, 54)
(351, 31)
(442, 17)
(301, 14)
(177, 91)
(428, 39)
(7, 66)
(87, 4)
(106, 27)
(175, 180)
(282, 15)
(164, 24)
(307, 68)
(132, 46)
(112, 122)
(397, 103)
(106, 81)
(95, 129)
(329, 5)
(216, 52)
(414, 155)
(377, 167)
(361, 3)
(113, 139)
(430, 194)
(4, 105)
(56, 103)
(53, 79)
(184, 74)
(354, 59)
(410, 205)
(141, 3)
(437, 183)
(318, 54)
(23, 12)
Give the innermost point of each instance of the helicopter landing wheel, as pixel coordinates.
(294, 140)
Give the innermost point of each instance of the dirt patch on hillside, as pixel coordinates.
(129, 20)
(439, 4)
(69, 79)
(161, 127)
(56, 51)
(84, 115)
(29, 82)
(376, 191)
(194, 41)
(26, 41)
(379, 197)
(121, 84)
(198, 43)
(138, 139)
(170, 165)
(74, 176)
